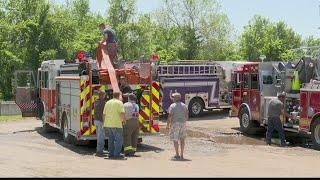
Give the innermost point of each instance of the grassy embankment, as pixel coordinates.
(11, 118)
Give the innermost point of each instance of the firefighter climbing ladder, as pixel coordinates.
(150, 96)
(105, 64)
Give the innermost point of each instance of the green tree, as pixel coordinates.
(120, 18)
(271, 39)
(32, 31)
(204, 31)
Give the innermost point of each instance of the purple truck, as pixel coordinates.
(202, 86)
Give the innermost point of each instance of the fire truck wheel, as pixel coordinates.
(65, 131)
(195, 107)
(41, 110)
(246, 125)
(47, 128)
(315, 134)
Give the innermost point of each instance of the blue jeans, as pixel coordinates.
(275, 123)
(100, 136)
(115, 141)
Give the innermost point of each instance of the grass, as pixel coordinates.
(10, 118)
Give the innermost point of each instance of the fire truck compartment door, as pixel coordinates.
(25, 93)
(236, 94)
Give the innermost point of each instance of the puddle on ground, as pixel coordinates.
(224, 139)
(238, 138)
(242, 140)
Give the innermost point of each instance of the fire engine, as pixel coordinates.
(67, 92)
(255, 84)
(202, 84)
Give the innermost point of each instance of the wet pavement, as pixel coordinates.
(239, 138)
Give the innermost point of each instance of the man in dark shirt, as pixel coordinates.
(275, 109)
(124, 88)
(110, 40)
(98, 121)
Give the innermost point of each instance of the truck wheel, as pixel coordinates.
(246, 125)
(195, 107)
(40, 110)
(65, 131)
(47, 128)
(315, 134)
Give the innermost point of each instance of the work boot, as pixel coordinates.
(121, 157)
(99, 154)
(284, 144)
(268, 143)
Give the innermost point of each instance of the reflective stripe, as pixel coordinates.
(156, 97)
(151, 108)
(84, 104)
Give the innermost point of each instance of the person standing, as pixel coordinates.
(110, 40)
(131, 129)
(114, 120)
(98, 121)
(178, 116)
(275, 110)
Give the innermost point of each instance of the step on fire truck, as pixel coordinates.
(203, 85)
(255, 84)
(67, 93)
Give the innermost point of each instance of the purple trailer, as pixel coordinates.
(201, 86)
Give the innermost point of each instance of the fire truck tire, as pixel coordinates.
(246, 125)
(65, 130)
(315, 134)
(195, 107)
(40, 110)
(47, 128)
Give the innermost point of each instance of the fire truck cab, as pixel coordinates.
(255, 84)
(46, 83)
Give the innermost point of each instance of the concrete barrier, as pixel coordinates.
(9, 108)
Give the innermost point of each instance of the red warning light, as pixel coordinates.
(81, 55)
(154, 56)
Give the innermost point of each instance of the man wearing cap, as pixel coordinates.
(275, 109)
(98, 121)
(178, 116)
(110, 40)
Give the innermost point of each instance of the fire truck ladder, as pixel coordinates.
(189, 70)
(105, 65)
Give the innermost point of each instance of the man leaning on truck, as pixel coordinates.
(98, 121)
(275, 109)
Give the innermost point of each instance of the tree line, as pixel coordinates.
(32, 31)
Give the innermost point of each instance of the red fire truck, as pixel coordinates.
(255, 84)
(67, 93)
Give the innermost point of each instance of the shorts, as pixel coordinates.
(178, 131)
